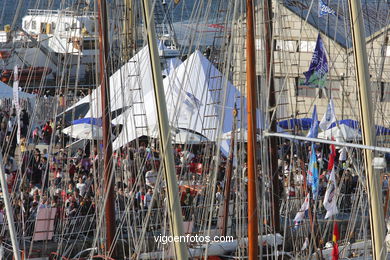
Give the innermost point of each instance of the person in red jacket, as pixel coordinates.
(46, 132)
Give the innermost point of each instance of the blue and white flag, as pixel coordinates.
(315, 77)
(313, 172)
(324, 9)
(329, 116)
(313, 133)
(330, 198)
(302, 211)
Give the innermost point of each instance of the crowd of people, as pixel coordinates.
(44, 173)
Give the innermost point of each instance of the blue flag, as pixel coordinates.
(313, 133)
(318, 70)
(324, 9)
(312, 173)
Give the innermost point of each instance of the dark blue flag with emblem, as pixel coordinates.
(315, 77)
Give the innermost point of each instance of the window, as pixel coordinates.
(67, 27)
(385, 91)
(88, 44)
(25, 25)
(307, 46)
(34, 25)
(285, 45)
(53, 26)
(44, 28)
(304, 91)
(332, 88)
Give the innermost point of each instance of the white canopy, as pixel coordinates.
(341, 133)
(125, 85)
(192, 102)
(195, 93)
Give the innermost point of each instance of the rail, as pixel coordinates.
(61, 12)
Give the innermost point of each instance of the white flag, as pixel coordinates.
(15, 100)
(329, 116)
(305, 244)
(330, 199)
(301, 213)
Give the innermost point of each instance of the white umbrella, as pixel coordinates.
(184, 136)
(84, 131)
(341, 133)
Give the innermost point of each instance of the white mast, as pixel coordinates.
(363, 82)
(8, 211)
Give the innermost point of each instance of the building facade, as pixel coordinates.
(296, 25)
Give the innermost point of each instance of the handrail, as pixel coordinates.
(66, 12)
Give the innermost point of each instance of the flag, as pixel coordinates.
(15, 101)
(329, 117)
(332, 156)
(313, 133)
(335, 251)
(305, 244)
(318, 69)
(336, 236)
(324, 9)
(336, 233)
(313, 173)
(330, 198)
(301, 213)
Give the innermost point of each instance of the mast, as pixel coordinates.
(251, 148)
(106, 119)
(272, 103)
(363, 82)
(128, 25)
(174, 209)
(8, 211)
(229, 170)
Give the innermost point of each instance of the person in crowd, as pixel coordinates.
(36, 135)
(148, 198)
(151, 177)
(82, 187)
(46, 132)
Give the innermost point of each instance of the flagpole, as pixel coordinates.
(363, 83)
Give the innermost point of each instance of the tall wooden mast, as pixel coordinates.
(363, 82)
(106, 119)
(251, 149)
(173, 201)
(272, 141)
